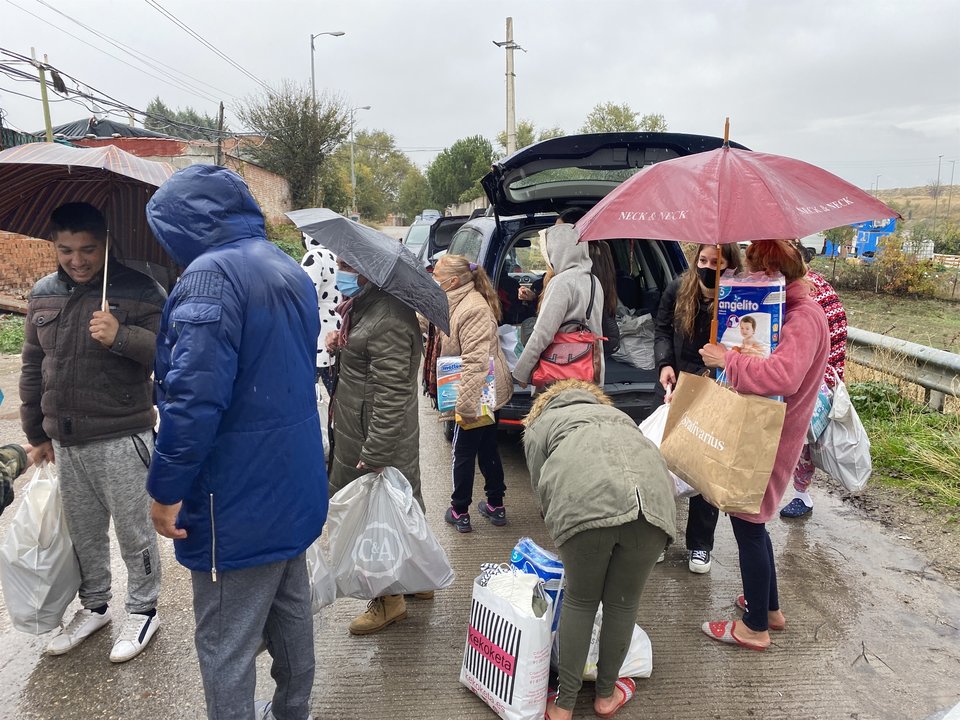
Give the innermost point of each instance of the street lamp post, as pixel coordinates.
(313, 75)
(353, 172)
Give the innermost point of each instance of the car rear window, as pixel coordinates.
(467, 241)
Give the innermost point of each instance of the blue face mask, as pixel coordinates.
(347, 283)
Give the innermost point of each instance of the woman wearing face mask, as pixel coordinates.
(474, 315)
(681, 329)
(375, 414)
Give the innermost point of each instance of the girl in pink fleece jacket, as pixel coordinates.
(795, 371)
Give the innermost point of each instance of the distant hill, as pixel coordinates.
(918, 203)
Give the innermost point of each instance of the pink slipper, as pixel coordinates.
(722, 631)
(628, 687)
(741, 603)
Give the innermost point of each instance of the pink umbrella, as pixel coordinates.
(729, 195)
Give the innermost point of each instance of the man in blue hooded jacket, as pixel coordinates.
(238, 474)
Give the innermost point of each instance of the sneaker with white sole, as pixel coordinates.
(699, 561)
(136, 633)
(663, 556)
(84, 624)
(262, 711)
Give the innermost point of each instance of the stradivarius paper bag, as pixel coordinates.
(722, 443)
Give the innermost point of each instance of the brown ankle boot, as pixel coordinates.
(425, 595)
(380, 613)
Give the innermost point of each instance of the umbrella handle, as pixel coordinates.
(715, 320)
(106, 264)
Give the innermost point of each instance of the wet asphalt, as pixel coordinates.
(871, 631)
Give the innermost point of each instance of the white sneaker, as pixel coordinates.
(136, 633)
(262, 711)
(699, 561)
(84, 624)
(663, 556)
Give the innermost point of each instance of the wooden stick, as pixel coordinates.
(726, 132)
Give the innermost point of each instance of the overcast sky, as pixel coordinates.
(860, 87)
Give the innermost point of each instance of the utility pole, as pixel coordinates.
(936, 200)
(220, 136)
(509, 45)
(953, 167)
(878, 186)
(43, 94)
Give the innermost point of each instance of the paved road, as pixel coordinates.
(871, 632)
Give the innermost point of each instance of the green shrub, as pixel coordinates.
(11, 334)
(287, 238)
(912, 447)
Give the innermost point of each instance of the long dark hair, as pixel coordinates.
(690, 295)
(605, 272)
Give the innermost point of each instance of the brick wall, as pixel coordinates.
(24, 261)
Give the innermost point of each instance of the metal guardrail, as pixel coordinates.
(937, 371)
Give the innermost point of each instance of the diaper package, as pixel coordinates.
(751, 312)
(449, 372)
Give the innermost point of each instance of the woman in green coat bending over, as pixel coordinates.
(607, 500)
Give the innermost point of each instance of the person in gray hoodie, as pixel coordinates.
(566, 297)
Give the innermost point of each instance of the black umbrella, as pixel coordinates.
(379, 258)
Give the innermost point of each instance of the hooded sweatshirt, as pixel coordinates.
(239, 441)
(567, 296)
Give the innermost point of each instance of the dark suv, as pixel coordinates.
(528, 190)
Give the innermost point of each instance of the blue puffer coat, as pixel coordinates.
(239, 439)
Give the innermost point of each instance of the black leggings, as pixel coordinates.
(758, 572)
(472, 448)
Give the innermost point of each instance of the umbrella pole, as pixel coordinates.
(106, 264)
(715, 321)
(726, 132)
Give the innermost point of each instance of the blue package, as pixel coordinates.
(750, 312)
(531, 558)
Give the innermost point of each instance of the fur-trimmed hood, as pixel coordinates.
(580, 391)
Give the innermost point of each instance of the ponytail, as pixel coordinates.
(459, 266)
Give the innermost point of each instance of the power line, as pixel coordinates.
(183, 26)
(100, 97)
(137, 54)
(173, 84)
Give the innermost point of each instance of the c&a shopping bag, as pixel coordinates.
(722, 443)
(380, 543)
(38, 567)
(506, 660)
(323, 586)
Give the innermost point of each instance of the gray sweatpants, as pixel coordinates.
(101, 480)
(266, 602)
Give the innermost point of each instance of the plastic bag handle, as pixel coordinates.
(50, 514)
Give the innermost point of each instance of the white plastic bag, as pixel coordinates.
(509, 341)
(506, 659)
(843, 449)
(38, 568)
(652, 428)
(637, 663)
(323, 586)
(380, 543)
